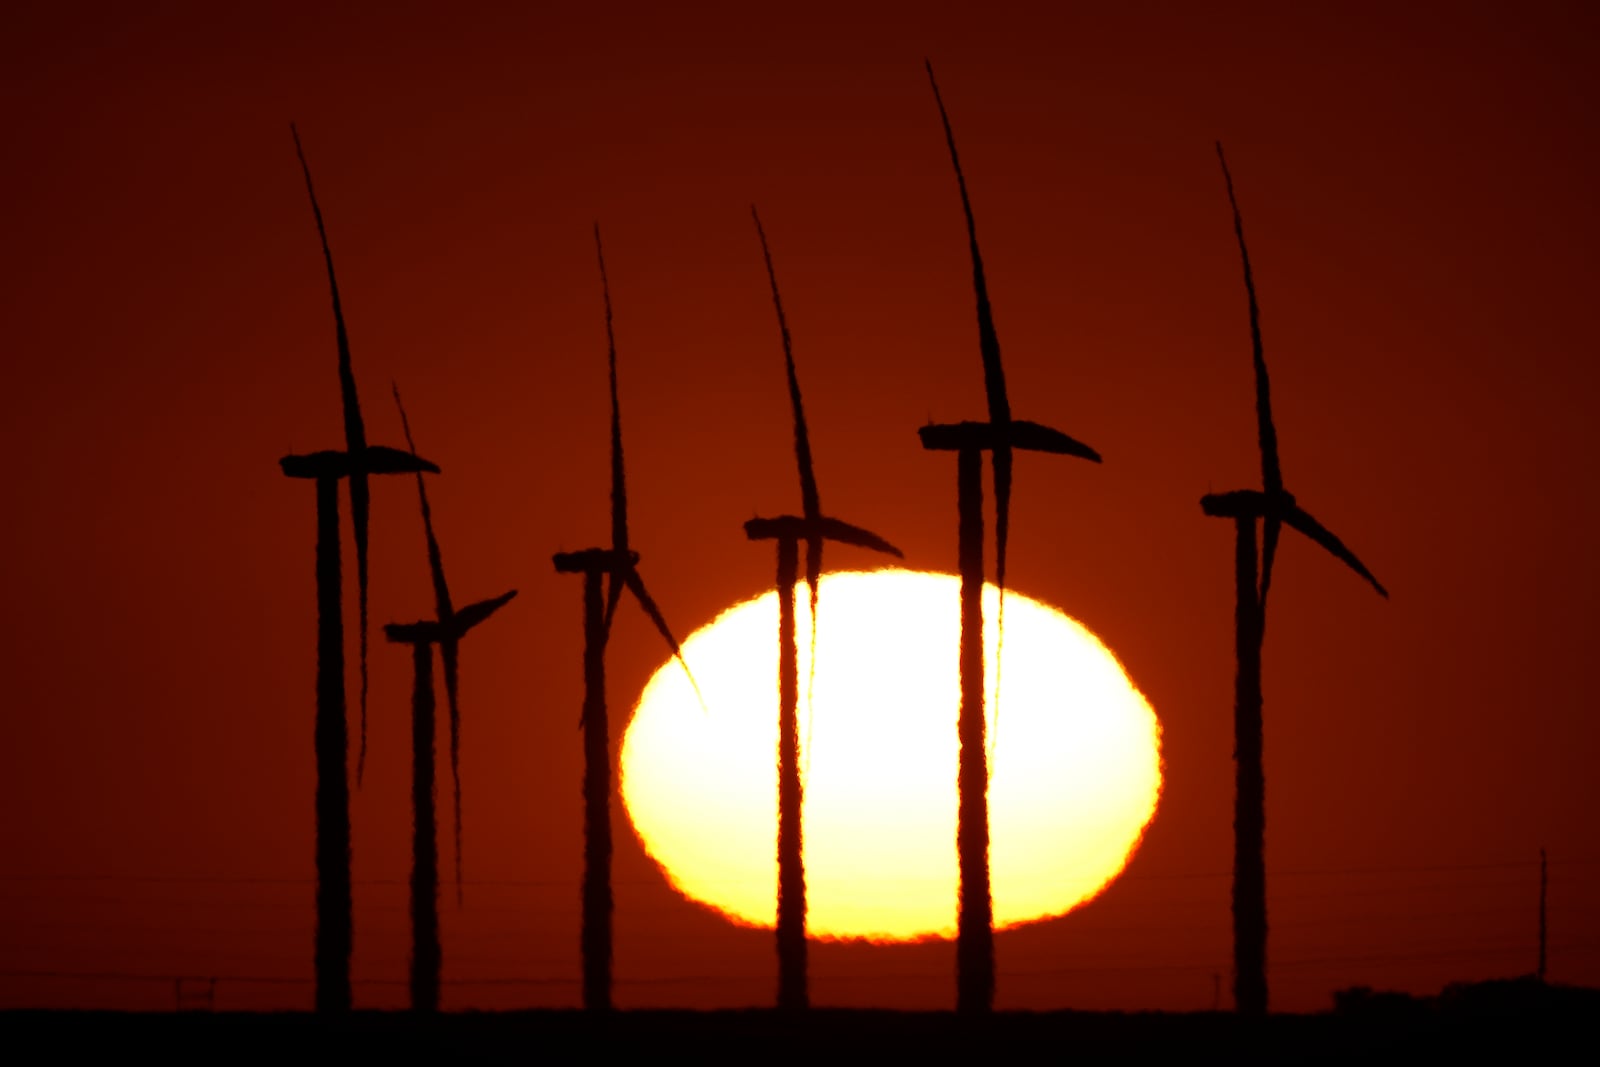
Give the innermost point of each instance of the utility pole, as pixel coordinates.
(1544, 890)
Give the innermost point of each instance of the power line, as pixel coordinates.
(1342, 871)
(538, 882)
(514, 980)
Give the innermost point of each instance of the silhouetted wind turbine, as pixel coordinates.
(446, 631)
(812, 527)
(426, 956)
(355, 463)
(451, 634)
(1000, 436)
(619, 566)
(1276, 507)
(355, 441)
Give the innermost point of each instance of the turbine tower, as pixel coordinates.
(1000, 436)
(812, 527)
(1275, 507)
(619, 566)
(355, 464)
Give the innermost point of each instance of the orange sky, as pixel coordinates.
(1418, 192)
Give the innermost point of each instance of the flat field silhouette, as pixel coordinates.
(1518, 1014)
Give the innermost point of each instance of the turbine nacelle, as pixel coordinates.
(1248, 504)
(374, 459)
(823, 528)
(1017, 434)
(601, 560)
(1280, 506)
(623, 565)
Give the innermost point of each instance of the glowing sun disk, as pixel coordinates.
(1075, 768)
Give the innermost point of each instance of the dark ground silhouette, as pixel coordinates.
(1517, 1020)
(1000, 436)
(812, 527)
(335, 936)
(1275, 506)
(618, 565)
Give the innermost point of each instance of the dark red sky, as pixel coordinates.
(1418, 189)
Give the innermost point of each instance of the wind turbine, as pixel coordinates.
(812, 527)
(445, 631)
(356, 463)
(619, 566)
(452, 630)
(999, 436)
(1276, 507)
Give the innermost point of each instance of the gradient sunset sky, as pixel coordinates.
(1417, 183)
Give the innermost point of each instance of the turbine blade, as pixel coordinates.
(613, 598)
(441, 589)
(1002, 527)
(810, 501)
(1002, 515)
(1002, 531)
(1269, 548)
(381, 459)
(449, 648)
(1271, 473)
(473, 614)
(355, 435)
(1032, 437)
(837, 530)
(994, 378)
(813, 580)
(450, 654)
(619, 482)
(355, 441)
(1299, 519)
(810, 504)
(636, 587)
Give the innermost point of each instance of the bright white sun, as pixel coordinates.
(1075, 765)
